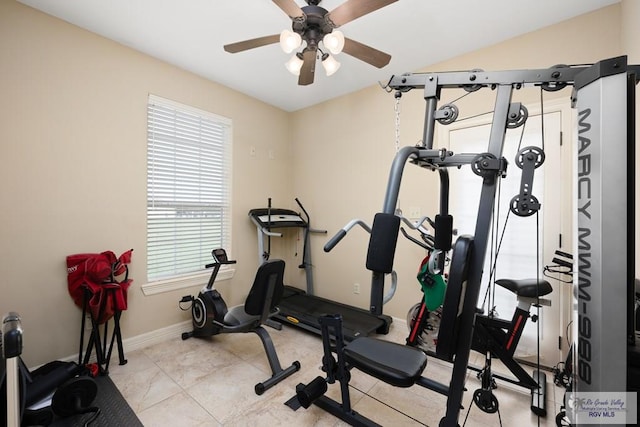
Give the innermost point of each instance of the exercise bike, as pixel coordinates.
(208, 309)
(210, 315)
(492, 336)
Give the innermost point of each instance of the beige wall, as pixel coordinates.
(72, 144)
(73, 175)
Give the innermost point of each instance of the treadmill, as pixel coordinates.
(297, 307)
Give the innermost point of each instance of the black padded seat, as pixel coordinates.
(529, 288)
(237, 316)
(393, 363)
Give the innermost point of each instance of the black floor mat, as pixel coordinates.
(114, 409)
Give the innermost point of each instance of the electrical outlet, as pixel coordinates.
(414, 212)
(356, 288)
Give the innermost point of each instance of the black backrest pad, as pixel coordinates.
(454, 298)
(444, 230)
(270, 273)
(382, 244)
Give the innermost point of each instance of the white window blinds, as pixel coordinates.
(188, 188)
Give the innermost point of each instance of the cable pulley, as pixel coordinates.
(530, 154)
(558, 85)
(524, 206)
(487, 165)
(527, 159)
(518, 115)
(486, 401)
(447, 114)
(472, 77)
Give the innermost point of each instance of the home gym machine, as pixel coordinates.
(402, 366)
(303, 309)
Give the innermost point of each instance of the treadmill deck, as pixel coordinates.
(302, 310)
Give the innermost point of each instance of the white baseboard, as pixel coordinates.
(160, 335)
(157, 336)
(144, 340)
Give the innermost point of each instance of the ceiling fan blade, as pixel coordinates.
(252, 43)
(308, 70)
(290, 8)
(353, 9)
(366, 53)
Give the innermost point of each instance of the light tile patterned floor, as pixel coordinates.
(210, 382)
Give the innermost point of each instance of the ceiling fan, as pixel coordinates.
(314, 24)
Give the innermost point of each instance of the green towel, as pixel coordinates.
(433, 286)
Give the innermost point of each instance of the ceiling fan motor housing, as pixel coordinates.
(314, 27)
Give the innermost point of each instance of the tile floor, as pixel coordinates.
(210, 382)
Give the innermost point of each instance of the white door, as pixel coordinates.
(520, 255)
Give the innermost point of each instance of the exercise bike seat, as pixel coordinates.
(237, 316)
(528, 288)
(395, 364)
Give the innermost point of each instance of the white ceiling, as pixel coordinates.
(416, 33)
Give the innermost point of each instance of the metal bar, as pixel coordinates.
(478, 252)
(429, 123)
(395, 178)
(456, 79)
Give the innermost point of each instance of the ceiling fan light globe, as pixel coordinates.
(289, 41)
(294, 65)
(330, 65)
(334, 41)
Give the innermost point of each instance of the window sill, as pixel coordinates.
(169, 285)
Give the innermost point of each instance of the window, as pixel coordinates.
(188, 189)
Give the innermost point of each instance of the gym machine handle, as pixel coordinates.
(343, 232)
(11, 335)
(418, 224)
(11, 340)
(213, 264)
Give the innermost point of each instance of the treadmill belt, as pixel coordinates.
(303, 310)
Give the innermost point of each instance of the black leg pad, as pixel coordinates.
(307, 394)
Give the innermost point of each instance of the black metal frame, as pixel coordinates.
(489, 165)
(99, 339)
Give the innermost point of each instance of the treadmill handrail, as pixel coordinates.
(264, 230)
